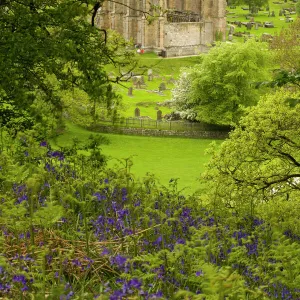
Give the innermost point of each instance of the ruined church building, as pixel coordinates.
(187, 27)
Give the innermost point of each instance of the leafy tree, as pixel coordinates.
(298, 8)
(47, 47)
(286, 46)
(260, 163)
(221, 85)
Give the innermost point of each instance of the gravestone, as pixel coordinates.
(256, 26)
(249, 26)
(159, 115)
(239, 24)
(273, 14)
(137, 112)
(139, 78)
(137, 84)
(137, 81)
(231, 30)
(142, 80)
(162, 87)
(230, 37)
(150, 75)
(130, 91)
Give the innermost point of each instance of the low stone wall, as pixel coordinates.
(157, 132)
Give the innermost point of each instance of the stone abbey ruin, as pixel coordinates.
(186, 27)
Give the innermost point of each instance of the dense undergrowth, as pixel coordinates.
(73, 229)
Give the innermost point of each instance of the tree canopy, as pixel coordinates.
(217, 90)
(286, 46)
(260, 162)
(47, 47)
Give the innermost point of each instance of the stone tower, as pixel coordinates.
(187, 27)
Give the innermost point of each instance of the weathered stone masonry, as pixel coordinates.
(187, 28)
(157, 132)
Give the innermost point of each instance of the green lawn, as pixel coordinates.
(165, 157)
(238, 14)
(147, 98)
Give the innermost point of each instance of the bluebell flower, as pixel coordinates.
(43, 144)
(76, 262)
(157, 295)
(117, 295)
(70, 295)
(135, 283)
(158, 240)
(119, 260)
(20, 279)
(122, 213)
(99, 196)
(137, 203)
(180, 241)
(21, 199)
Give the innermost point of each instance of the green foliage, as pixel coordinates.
(223, 84)
(298, 8)
(259, 163)
(72, 229)
(48, 48)
(286, 46)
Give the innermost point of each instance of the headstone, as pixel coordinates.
(150, 75)
(162, 87)
(159, 115)
(137, 84)
(130, 91)
(239, 24)
(249, 26)
(142, 80)
(137, 81)
(273, 13)
(230, 37)
(256, 26)
(280, 13)
(137, 112)
(231, 30)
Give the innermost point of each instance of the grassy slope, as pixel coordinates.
(238, 14)
(146, 99)
(165, 157)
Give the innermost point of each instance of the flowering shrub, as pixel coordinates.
(73, 229)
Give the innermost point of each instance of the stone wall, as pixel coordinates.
(157, 132)
(183, 38)
(182, 34)
(177, 37)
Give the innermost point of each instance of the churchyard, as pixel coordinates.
(151, 85)
(262, 24)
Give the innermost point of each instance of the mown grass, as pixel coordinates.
(238, 14)
(167, 158)
(148, 98)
